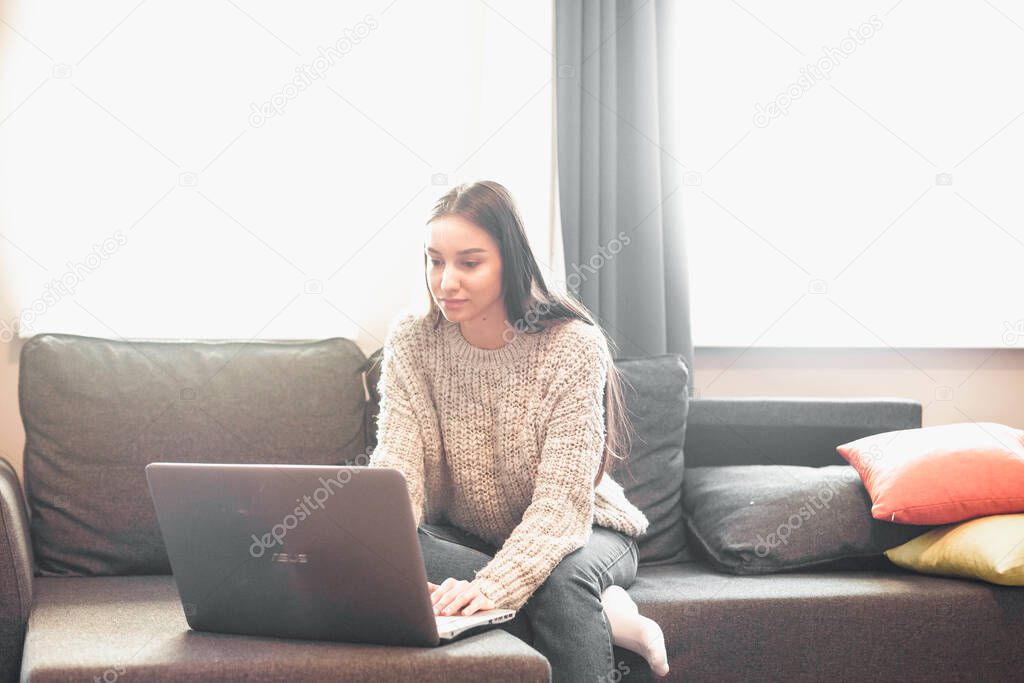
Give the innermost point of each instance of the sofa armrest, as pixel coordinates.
(788, 431)
(15, 572)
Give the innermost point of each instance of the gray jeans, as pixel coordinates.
(564, 619)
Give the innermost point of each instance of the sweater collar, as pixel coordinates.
(519, 347)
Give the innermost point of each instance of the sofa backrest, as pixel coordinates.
(97, 411)
(788, 431)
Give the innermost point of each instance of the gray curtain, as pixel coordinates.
(620, 187)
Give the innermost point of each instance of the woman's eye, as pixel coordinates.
(471, 264)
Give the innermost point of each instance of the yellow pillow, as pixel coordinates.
(989, 548)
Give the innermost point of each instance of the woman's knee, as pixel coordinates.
(573, 581)
(609, 558)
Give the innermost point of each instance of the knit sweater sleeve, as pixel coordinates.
(559, 517)
(399, 439)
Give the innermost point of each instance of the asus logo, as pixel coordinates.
(285, 557)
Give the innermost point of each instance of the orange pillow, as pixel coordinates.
(941, 474)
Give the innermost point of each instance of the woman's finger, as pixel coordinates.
(438, 594)
(475, 604)
(449, 594)
(458, 602)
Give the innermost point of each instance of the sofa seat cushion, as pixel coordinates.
(133, 628)
(843, 625)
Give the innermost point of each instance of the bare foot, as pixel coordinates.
(633, 631)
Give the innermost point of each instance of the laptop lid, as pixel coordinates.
(319, 552)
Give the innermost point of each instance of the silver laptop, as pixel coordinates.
(300, 551)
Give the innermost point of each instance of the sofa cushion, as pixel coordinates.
(988, 548)
(823, 625)
(132, 628)
(656, 401)
(941, 474)
(758, 519)
(97, 411)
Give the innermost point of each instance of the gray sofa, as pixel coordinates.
(86, 591)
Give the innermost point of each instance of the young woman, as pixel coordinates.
(502, 408)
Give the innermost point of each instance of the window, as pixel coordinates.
(230, 171)
(853, 173)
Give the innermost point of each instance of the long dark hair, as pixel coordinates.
(530, 305)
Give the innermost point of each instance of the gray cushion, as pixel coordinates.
(132, 628)
(97, 411)
(817, 625)
(759, 519)
(654, 391)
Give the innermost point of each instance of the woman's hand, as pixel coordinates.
(453, 595)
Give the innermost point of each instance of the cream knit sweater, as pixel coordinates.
(503, 443)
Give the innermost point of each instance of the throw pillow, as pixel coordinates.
(656, 401)
(941, 474)
(988, 548)
(761, 519)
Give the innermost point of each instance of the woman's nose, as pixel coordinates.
(448, 281)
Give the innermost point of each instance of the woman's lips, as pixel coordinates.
(453, 303)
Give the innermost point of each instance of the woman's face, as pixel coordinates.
(464, 265)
